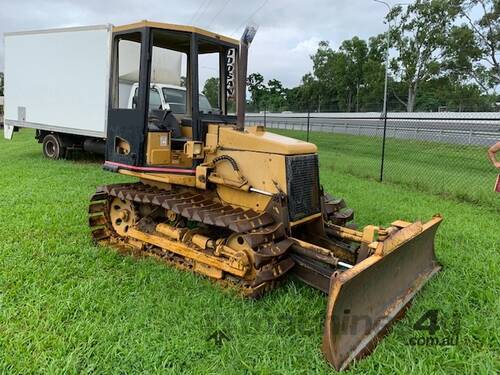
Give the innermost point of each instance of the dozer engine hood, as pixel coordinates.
(257, 139)
(272, 163)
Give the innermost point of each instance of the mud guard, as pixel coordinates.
(365, 299)
(8, 130)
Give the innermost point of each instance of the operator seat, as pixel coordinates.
(160, 120)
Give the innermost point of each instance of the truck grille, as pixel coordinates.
(303, 186)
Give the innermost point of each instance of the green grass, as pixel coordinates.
(69, 307)
(453, 171)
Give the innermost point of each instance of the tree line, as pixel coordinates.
(441, 57)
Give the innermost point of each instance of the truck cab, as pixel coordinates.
(169, 98)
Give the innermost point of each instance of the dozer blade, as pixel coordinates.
(365, 299)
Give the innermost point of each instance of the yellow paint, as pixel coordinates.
(170, 26)
(259, 155)
(306, 219)
(208, 271)
(165, 178)
(187, 132)
(262, 141)
(158, 148)
(184, 250)
(240, 198)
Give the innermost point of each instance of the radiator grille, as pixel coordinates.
(303, 186)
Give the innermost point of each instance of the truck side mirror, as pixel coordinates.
(135, 100)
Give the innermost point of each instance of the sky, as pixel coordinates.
(289, 31)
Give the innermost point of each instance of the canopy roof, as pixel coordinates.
(173, 27)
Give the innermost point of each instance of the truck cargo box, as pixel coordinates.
(58, 79)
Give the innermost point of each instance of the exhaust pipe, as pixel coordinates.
(241, 88)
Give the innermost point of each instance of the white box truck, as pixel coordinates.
(56, 81)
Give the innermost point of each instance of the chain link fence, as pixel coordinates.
(439, 153)
(1, 110)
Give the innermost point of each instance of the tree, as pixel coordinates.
(372, 93)
(351, 76)
(257, 88)
(418, 34)
(310, 94)
(305, 97)
(473, 51)
(211, 91)
(355, 51)
(439, 63)
(272, 97)
(276, 95)
(1, 84)
(333, 75)
(321, 85)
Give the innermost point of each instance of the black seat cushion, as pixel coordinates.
(164, 121)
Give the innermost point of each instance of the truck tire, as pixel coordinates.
(53, 147)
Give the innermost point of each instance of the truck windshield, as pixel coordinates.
(154, 99)
(176, 100)
(205, 106)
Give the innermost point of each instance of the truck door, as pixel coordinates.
(126, 124)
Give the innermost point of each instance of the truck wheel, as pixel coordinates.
(52, 147)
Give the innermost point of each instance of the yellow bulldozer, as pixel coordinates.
(241, 205)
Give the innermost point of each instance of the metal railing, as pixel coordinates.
(441, 154)
(467, 131)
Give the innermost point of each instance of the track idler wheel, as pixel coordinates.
(122, 215)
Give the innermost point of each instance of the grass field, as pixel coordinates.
(458, 172)
(69, 307)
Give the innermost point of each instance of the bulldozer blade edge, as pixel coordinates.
(364, 300)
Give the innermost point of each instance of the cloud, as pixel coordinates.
(289, 30)
(307, 46)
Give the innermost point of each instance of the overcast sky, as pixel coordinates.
(289, 31)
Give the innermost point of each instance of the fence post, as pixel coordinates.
(308, 118)
(383, 148)
(265, 111)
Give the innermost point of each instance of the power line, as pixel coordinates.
(195, 15)
(251, 16)
(208, 68)
(203, 11)
(218, 13)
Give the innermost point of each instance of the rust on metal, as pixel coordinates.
(370, 275)
(114, 221)
(365, 299)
